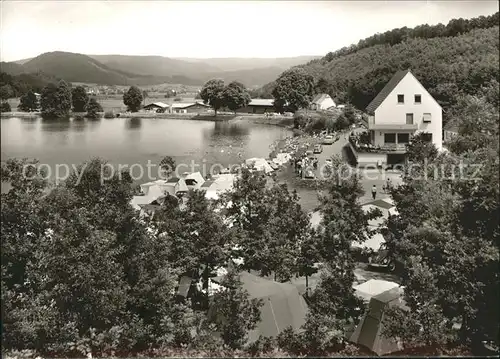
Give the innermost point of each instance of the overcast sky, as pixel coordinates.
(211, 29)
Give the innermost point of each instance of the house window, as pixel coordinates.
(427, 137)
(389, 138)
(409, 119)
(427, 117)
(403, 137)
(418, 98)
(401, 98)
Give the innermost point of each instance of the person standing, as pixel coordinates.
(374, 191)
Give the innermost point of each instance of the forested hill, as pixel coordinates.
(449, 60)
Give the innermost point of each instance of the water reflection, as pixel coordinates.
(30, 123)
(223, 129)
(58, 125)
(134, 123)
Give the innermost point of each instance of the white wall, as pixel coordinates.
(327, 103)
(390, 112)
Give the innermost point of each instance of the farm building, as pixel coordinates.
(322, 101)
(258, 106)
(156, 106)
(192, 107)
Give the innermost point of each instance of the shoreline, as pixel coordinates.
(280, 121)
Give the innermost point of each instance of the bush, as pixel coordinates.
(109, 114)
(5, 107)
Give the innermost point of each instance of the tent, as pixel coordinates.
(368, 332)
(282, 158)
(373, 287)
(259, 164)
(283, 305)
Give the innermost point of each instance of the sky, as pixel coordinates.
(207, 29)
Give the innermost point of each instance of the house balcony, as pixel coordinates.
(390, 126)
(396, 148)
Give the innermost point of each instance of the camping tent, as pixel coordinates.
(283, 305)
(259, 164)
(368, 332)
(373, 287)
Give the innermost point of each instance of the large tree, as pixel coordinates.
(28, 102)
(6, 92)
(447, 238)
(236, 96)
(56, 100)
(212, 94)
(79, 99)
(93, 109)
(294, 89)
(133, 99)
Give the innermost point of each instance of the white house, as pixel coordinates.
(322, 101)
(401, 109)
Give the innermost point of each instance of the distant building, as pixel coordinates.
(191, 107)
(258, 106)
(156, 106)
(322, 101)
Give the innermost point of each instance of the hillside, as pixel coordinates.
(448, 60)
(76, 67)
(236, 63)
(154, 65)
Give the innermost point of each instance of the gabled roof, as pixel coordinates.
(320, 98)
(189, 104)
(157, 104)
(261, 102)
(382, 95)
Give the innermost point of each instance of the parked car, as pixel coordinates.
(310, 154)
(318, 149)
(328, 162)
(383, 260)
(328, 140)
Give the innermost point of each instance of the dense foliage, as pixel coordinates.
(79, 99)
(28, 102)
(93, 108)
(133, 99)
(293, 89)
(18, 85)
(5, 107)
(447, 238)
(212, 94)
(55, 100)
(236, 96)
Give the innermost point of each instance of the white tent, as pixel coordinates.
(259, 164)
(373, 287)
(282, 158)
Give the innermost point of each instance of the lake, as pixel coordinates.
(135, 141)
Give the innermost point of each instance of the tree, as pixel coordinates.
(234, 313)
(167, 165)
(5, 107)
(133, 99)
(6, 92)
(236, 96)
(56, 100)
(421, 149)
(144, 95)
(322, 86)
(294, 88)
(28, 102)
(93, 108)
(212, 94)
(79, 99)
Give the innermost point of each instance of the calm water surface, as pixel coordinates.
(130, 141)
